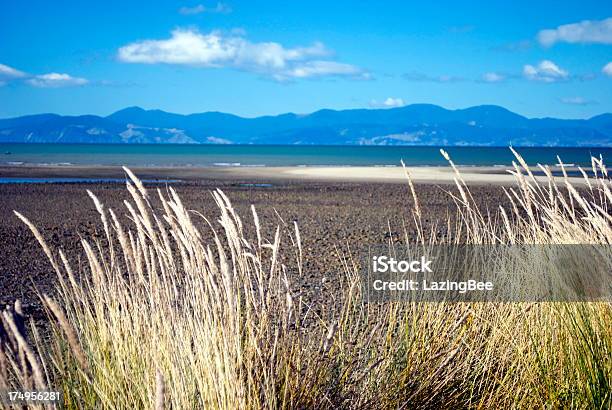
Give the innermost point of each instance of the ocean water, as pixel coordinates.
(282, 155)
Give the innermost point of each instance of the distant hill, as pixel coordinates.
(417, 124)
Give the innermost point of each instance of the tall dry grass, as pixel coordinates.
(163, 318)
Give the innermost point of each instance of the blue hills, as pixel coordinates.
(417, 124)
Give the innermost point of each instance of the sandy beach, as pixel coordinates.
(426, 175)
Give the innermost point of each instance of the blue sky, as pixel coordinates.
(537, 58)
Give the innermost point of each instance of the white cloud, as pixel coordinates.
(576, 101)
(215, 49)
(50, 80)
(200, 8)
(10, 73)
(586, 31)
(493, 77)
(56, 80)
(546, 71)
(320, 68)
(393, 102)
(607, 69)
(390, 102)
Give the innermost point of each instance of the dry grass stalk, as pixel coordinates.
(69, 332)
(417, 208)
(160, 390)
(32, 360)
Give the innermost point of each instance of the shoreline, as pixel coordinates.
(473, 175)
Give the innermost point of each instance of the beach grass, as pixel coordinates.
(158, 317)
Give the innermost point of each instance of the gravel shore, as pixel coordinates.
(332, 217)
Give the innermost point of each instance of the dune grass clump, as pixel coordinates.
(161, 317)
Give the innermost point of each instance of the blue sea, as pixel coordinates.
(281, 155)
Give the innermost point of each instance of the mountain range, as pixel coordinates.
(416, 124)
